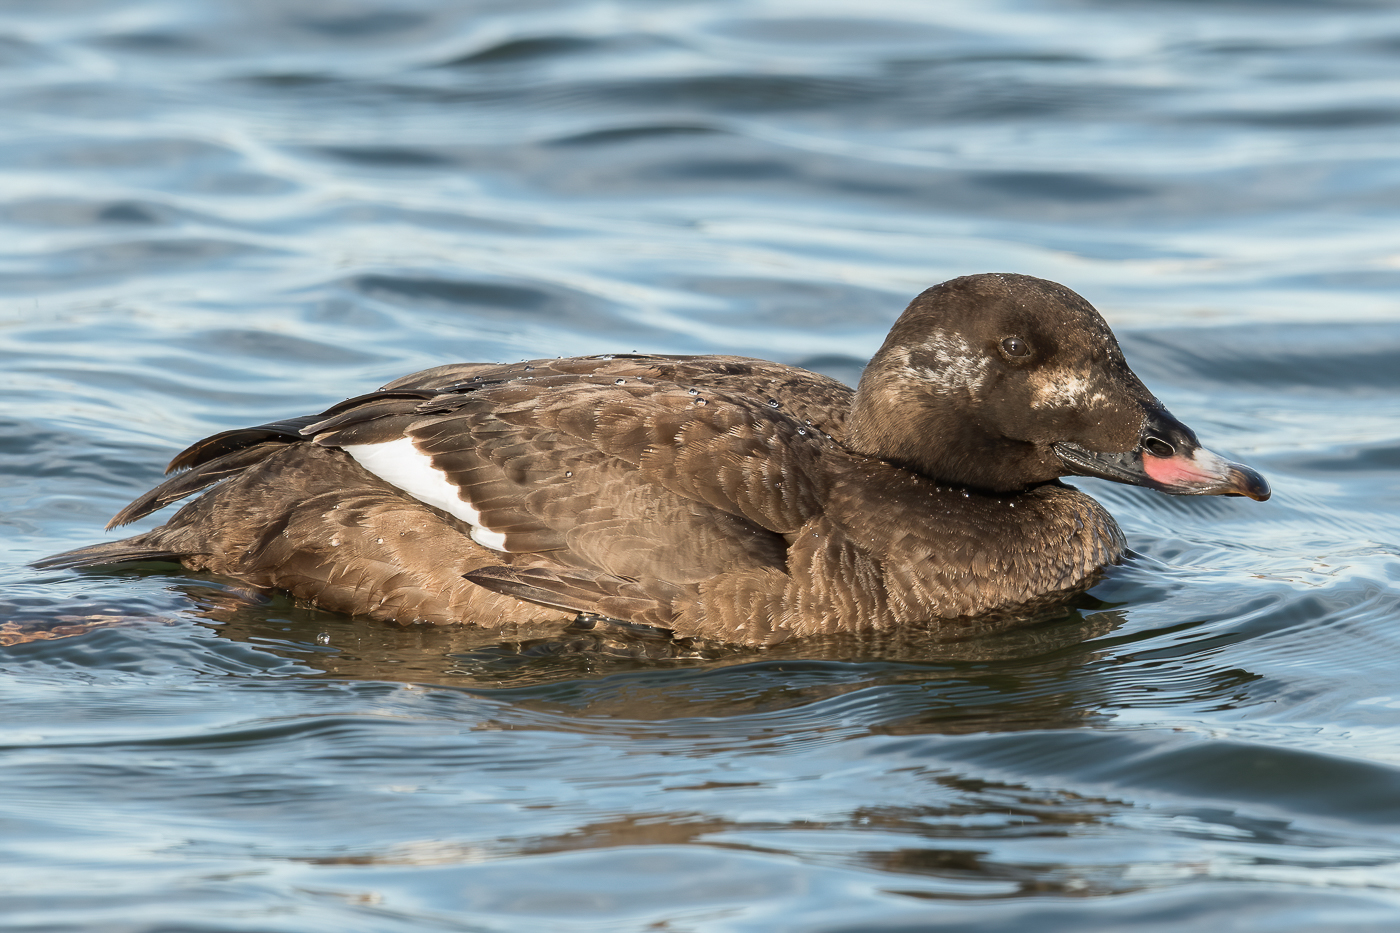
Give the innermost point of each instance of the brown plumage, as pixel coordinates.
(716, 497)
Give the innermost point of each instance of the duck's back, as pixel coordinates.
(811, 397)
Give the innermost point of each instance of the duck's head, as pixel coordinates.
(1002, 382)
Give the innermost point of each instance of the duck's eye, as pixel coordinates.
(1016, 347)
(1158, 447)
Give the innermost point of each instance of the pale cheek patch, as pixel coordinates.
(1066, 390)
(955, 364)
(403, 465)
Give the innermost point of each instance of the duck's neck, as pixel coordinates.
(907, 422)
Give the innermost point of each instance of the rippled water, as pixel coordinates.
(218, 213)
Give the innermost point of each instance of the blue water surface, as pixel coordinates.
(216, 214)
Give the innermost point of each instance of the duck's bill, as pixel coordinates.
(1180, 466)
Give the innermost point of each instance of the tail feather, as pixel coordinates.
(216, 446)
(129, 550)
(192, 481)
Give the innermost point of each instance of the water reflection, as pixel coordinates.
(1072, 669)
(372, 651)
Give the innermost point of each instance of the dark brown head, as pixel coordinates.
(1001, 382)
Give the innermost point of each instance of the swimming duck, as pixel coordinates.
(714, 497)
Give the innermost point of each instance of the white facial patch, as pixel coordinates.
(956, 365)
(1065, 390)
(399, 463)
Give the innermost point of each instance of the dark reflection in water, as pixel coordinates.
(218, 214)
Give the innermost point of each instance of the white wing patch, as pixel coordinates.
(401, 464)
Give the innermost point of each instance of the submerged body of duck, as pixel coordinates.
(729, 499)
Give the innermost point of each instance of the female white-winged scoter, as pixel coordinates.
(716, 497)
